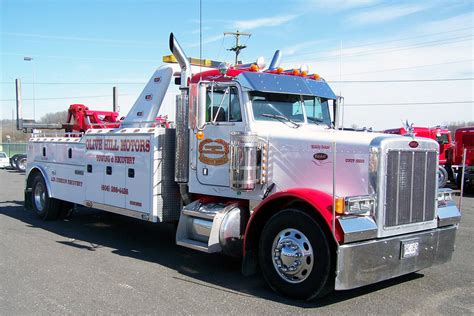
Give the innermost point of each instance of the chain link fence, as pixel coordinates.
(13, 148)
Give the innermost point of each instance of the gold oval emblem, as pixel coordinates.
(214, 152)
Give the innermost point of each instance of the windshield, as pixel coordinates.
(442, 139)
(293, 108)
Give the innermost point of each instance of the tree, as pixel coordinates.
(56, 117)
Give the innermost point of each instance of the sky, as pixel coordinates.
(389, 59)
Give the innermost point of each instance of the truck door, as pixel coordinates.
(223, 116)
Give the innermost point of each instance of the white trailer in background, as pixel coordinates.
(257, 167)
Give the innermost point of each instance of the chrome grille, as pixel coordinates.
(411, 187)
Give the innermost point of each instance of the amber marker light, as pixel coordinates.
(253, 67)
(340, 205)
(304, 73)
(296, 72)
(316, 77)
(200, 135)
(279, 70)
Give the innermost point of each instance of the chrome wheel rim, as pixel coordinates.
(40, 196)
(22, 164)
(292, 255)
(441, 177)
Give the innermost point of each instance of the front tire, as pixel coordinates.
(45, 207)
(295, 255)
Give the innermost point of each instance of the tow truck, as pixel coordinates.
(256, 167)
(462, 157)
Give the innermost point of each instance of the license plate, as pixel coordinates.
(410, 249)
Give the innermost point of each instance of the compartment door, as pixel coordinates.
(94, 169)
(114, 188)
(138, 175)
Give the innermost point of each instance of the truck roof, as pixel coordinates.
(271, 81)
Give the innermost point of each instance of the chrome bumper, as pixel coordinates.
(367, 262)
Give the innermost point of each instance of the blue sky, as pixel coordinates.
(95, 44)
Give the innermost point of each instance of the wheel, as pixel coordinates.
(442, 177)
(44, 206)
(294, 255)
(21, 164)
(13, 160)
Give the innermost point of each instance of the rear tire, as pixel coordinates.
(45, 207)
(295, 256)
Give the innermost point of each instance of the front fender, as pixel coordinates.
(317, 203)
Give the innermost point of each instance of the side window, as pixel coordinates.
(223, 105)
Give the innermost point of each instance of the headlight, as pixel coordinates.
(444, 196)
(355, 205)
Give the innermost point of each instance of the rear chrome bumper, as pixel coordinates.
(367, 262)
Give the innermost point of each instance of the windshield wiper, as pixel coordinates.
(281, 118)
(316, 120)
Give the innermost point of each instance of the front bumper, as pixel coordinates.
(367, 262)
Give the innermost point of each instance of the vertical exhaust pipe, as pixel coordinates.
(181, 174)
(19, 108)
(183, 61)
(276, 60)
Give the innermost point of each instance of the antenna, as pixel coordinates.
(237, 48)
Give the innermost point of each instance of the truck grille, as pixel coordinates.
(411, 187)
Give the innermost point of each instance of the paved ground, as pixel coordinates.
(100, 263)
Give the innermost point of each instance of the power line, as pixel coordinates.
(75, 83)
(409, 38)
(332, 81)
(400, 81)
(67, 98)
(410, 103)
(409, 67)
(388, 50)
(390, 41)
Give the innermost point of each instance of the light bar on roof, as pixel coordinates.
(194, 61)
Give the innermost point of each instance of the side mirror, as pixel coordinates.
(338, 112)
(201, 106)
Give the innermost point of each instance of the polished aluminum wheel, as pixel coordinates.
(292, 255)
(39, 196)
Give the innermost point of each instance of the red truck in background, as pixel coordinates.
(445, 141)
(464, 140)
(450, 151)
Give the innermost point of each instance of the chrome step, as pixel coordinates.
(199, 226)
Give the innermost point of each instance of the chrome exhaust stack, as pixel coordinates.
(181, 174)
(182, 60)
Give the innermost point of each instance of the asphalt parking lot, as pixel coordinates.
(101, 263)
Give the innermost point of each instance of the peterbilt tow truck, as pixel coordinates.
(257, 167)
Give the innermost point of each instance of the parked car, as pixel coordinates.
(4, 161)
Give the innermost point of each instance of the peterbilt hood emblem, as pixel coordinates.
(413, 144)
(320, 156)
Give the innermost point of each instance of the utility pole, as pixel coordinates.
(34, 79)
(238, 47)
